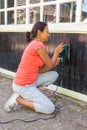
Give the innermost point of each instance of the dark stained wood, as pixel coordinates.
(72, 73)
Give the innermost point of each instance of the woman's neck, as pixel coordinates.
(38, 39)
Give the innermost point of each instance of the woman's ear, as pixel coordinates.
(39, 32)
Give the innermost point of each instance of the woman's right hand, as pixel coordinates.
(58, 61)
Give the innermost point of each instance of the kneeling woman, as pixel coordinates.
(34, 70)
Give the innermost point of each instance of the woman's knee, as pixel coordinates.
(49, 109)
(45, 109)
(54, 76)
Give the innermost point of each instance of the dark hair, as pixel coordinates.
(37, 26)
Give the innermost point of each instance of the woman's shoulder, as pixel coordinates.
(36, 43)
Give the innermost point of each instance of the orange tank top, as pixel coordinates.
(27, 71)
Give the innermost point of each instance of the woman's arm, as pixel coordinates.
(45, 68)
(49, 62)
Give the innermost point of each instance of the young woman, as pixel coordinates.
(33, 71)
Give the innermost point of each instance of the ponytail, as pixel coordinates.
(29, 37)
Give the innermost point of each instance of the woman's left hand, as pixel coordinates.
(59, 49)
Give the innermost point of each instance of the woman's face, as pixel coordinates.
(44, 36)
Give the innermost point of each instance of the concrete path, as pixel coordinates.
(72, 114)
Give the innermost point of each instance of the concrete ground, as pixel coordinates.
(72, 114)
